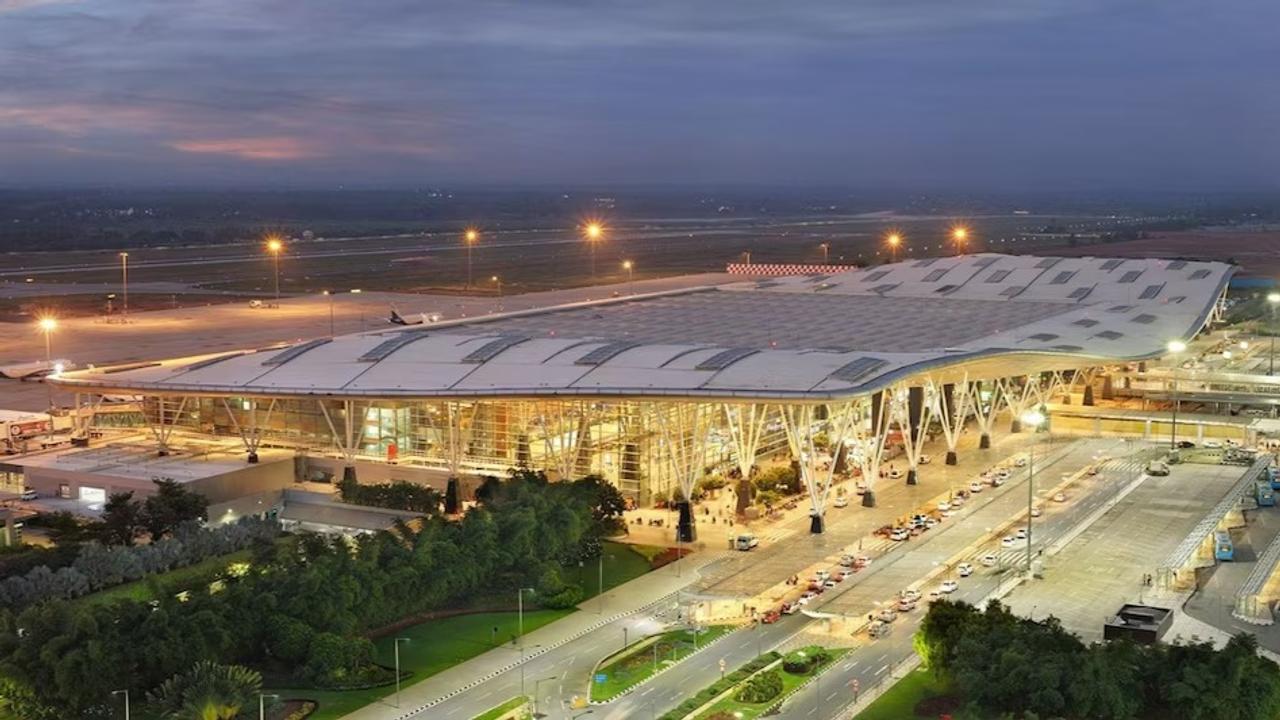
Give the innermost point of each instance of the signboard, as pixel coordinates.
(600, 678)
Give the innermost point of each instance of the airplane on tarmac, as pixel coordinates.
(422, 318)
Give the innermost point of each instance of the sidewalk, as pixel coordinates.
(627, 599)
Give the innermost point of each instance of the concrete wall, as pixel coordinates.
(249, 480)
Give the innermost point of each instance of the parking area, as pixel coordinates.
(1105, 565)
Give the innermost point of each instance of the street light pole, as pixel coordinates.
(124, 272)
(631, 284)
(125, 693)
(397, 652)
(1175, 347)
(1032, 419)
(1273, 299)
(470, 238)
(329, 295)
(262, 704)
(600, 591)
(520, 614)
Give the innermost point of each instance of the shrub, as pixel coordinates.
(568, 597)
(802, 662)
(761, 688)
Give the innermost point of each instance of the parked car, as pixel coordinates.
(887, 615)
(861, 561)
(1036, 511)
(1186, 444)
(964, 569)
(1021, 461)
(841, 501)
(975, 487)
(899, 534)
(861, 488)
(909, 594)
(771, 617)
(943, 505)
(790, 608)
(1059, 497)
(925, 460)
(1021, 534)
(29, 494)
(1155, 468)
(846, 561)
(1008, 541)
(905, 605)
(879, 629)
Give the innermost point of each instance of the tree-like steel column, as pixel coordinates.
(162, 428)
(950, 404)
(685, 435)
(802, 425)
(251, 435)
(985, 414)
(746, 425)
(913, 423)
(871, 430)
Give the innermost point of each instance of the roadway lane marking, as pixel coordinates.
(881, 670)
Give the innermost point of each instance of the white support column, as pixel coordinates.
(951, 412)
(746, 425)
(457, 439)
(685, 436)
(985, 414)
(162, 428)
(801, 425)
(912, 438)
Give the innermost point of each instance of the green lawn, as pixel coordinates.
(899, 701)
(622, 563)
(636, 664)
(504, 708)
(747, 711)
(436, 645)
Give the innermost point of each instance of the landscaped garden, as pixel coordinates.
(305, 614)
(630, 667)
(761, 692)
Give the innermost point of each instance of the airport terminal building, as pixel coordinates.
(651, 391)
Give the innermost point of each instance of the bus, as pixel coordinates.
(1265, 495)
(1222, 547)
(1274, 477)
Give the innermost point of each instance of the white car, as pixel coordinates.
(894, 473)
(1212, 444)
(1021, 534)
(989, 560)
(948, 586)
(909, 595)
(930, 523)
(996, 481)
(1020, 462)
(841, 501)
(925, 460)
(1008, 541)
(28, 494)
(943, 506)
(1059, 497)
(1036, 511)
(956, 502)
(1003, 474)
(862, 488)
(806, 597)
(975, 487)
(964, 569)
(899, 535)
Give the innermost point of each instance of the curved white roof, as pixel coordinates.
(803, 337)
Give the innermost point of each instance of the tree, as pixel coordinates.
(121, 519)
(208, 691)
(171, 505)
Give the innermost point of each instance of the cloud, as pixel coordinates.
(259, 148)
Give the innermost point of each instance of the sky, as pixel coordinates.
(912, 95)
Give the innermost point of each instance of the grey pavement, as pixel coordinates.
(1103, 568)
(872, 661)
(1213, 602)
(859, 595)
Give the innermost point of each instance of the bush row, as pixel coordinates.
(98, 566)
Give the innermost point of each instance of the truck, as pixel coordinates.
(745, 542)
(23, 431)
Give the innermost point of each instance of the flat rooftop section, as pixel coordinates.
(138, 460)
(1139, 617)
(1103, 568)
(809, 337)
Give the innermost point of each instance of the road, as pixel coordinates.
(871, 661)
(857, 596)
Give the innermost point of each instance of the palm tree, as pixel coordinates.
(208, 691)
